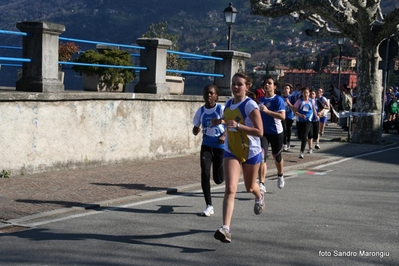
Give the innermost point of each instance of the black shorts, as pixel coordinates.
(276, 142)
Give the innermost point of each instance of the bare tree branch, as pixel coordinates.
(266, 8)
(318, 12)
(364, 23)
(356, 3)
(391, 25)
(333, 18)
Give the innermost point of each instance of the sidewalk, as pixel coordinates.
(46, 194)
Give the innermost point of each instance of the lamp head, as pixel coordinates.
(230, 14)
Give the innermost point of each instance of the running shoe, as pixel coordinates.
(301, 155)
(208, 211)
(262, 187)
(280, 182)
(223, 235)
(285, 147)
(259, 204)
(310, 151)
(317, 147)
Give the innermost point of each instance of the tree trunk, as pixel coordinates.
(368, 96)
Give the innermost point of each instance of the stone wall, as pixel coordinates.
(53, 131)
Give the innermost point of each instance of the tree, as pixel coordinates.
(110, 77)
(66, 51)
(365, 24)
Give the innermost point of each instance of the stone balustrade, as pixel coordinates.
(45, 128)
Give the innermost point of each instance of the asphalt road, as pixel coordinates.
(342, 213)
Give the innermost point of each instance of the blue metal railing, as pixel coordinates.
(11, 47)
(189, 55)
(14, 33)
(15, 59)
(67, 62)
(182, 55)
(194, 73)
(11, 65)
(101, 65)
(104, 43)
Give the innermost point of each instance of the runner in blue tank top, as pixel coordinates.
(323, 113)
(304, 111)
(314, 129)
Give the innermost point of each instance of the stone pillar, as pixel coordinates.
(41, 46)
(232, 63)
(153, 57)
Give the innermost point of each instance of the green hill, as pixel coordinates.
(200, 25)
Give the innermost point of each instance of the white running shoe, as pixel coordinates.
(223, 235)
(301, 155)
(208, 211)
(260, 204)
(262, 187)
(285, 147)
(280, 182)
(310, 151)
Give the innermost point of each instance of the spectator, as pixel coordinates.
(345, 104)
(392, 109)
(334, 100)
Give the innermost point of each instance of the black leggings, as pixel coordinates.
(287, 127)
(211, 156)
(303, 132)
(314, 131)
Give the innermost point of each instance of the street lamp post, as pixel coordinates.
(230, 14)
